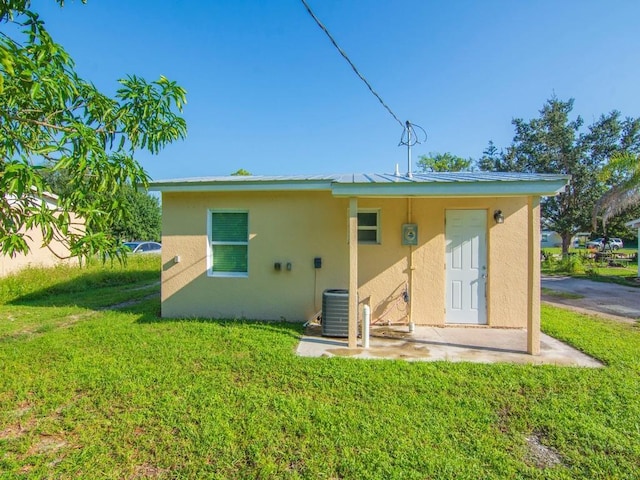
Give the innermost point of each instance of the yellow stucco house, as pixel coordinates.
(54, 253)
(428, 249)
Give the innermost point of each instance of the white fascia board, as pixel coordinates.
(451, 189)
(241, 187)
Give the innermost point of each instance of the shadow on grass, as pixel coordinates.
(92, 290)
(275, 326)
(124, 290)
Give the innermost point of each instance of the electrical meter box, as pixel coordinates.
(410, 234)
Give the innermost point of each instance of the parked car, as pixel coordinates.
(144, 247)
(613, 243)
(616, 243)
(597, 243)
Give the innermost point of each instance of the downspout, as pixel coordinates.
(411, 268)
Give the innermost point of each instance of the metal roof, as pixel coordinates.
(437, 177)
(248, 178)
(361, 184)
(633, 223)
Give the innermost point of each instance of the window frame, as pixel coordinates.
(211, 245)
(369, 228)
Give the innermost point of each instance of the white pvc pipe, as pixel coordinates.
(366, 314)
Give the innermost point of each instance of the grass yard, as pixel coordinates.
(580, 266)
(88, 391)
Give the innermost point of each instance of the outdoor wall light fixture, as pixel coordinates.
(498, 217)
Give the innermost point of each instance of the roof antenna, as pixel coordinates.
(397, 173)
(408, 127)
(410, 140)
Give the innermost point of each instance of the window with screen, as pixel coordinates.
(229, 240)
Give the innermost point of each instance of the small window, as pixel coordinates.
(369, 226)
(229, 236)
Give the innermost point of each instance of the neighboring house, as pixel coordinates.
(550, 239)
(636, 224)
(431, 249)
(580, 239)
(38, 256)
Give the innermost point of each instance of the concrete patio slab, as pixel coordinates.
(453, 344)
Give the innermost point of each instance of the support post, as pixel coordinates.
(533, 290)
(353, 272)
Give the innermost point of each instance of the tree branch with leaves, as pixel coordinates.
(51, 120)
(622, 175)
(443, 162)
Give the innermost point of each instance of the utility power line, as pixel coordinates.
(346, 57)
(409, 135)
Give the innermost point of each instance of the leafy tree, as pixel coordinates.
(616, 226)
(490, 160)
(553, 143)
(144, 222)
(622, 174)
(443, 162)
(241, 172)
(51, 120)
(142, 218)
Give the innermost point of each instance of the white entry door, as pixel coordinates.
(466, 266)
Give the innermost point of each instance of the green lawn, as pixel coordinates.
(93, 392)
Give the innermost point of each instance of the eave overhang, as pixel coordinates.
(452, 189)
(358, 185)
(235, 186)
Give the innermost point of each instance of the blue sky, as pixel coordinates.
(267, 91)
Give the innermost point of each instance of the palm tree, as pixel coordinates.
(623, 174)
